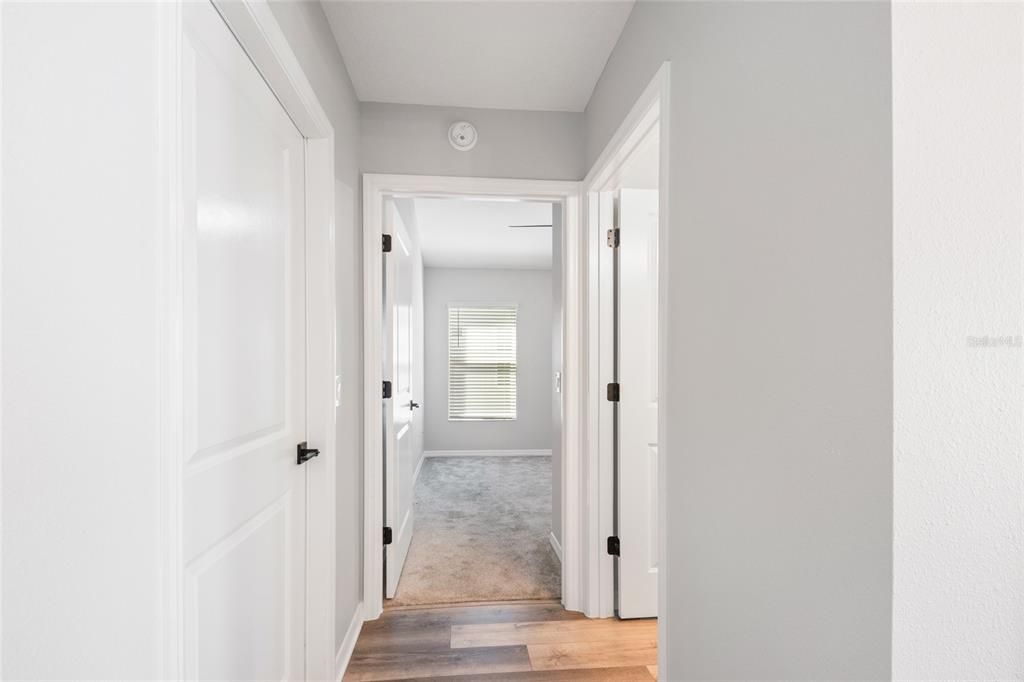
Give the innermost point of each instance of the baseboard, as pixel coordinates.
(348, 644)
(486, 453)
(419, 468)
(555, 544)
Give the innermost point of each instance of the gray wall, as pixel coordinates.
(540, 145)
(531, 290)
(556, 366)
(305, 26)
(778, 396)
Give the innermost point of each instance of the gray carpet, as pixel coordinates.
(481, 533)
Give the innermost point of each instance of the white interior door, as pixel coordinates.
(638, 403)
(245, 353)
(400, 410)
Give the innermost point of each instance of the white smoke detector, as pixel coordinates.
(462, 136)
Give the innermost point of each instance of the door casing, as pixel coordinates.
(650, 109)
(257, 31)
(375, 188)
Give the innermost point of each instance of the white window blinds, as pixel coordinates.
(481, 362)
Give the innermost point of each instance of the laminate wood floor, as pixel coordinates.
(533, 641)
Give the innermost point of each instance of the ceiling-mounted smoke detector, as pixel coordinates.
(462, 136)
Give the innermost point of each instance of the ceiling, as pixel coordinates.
(467, 233)
(543, 56)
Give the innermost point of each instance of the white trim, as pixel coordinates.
(555, 544)
(419, 468)
(651, 107)
(170, 351)
(1, 343)
(486, 453)
(348, 645)
(375, 187)
(253, 24)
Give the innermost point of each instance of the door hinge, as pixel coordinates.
(386, 246)
(387, 535)
(613, 237)
(387, 390)
(613, 545)
(613, 392)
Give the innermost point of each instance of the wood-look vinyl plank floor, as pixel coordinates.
(627, 674)
(553, 632)
(578, 655)
(509, 641)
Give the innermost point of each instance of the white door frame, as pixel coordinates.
(652, 107)
(254, 26)
(375, 188)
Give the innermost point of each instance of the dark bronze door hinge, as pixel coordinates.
(613, 545)
(613, 392)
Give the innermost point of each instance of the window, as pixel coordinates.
(481, 362)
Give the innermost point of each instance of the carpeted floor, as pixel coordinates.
(481, 533)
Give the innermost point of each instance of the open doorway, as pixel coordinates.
(627, 220)
(632, 198)
(471, 314)
(468, 312)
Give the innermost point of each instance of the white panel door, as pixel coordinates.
(638, 402)
(245, 352)
(400, 409)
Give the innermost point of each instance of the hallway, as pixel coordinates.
(526, 641)
(703, 311)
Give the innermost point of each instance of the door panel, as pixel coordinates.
(244, 348)
(638, 404)
(400, 453)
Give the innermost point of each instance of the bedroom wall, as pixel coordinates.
(531, 291)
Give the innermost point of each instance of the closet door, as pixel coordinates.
(244, 307)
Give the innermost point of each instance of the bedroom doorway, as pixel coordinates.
(465, 463)
(472, 348)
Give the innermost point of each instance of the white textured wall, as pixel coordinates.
(778, 391)
(406, 138)
(958, 588)
(81, 554)
(531, 290)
